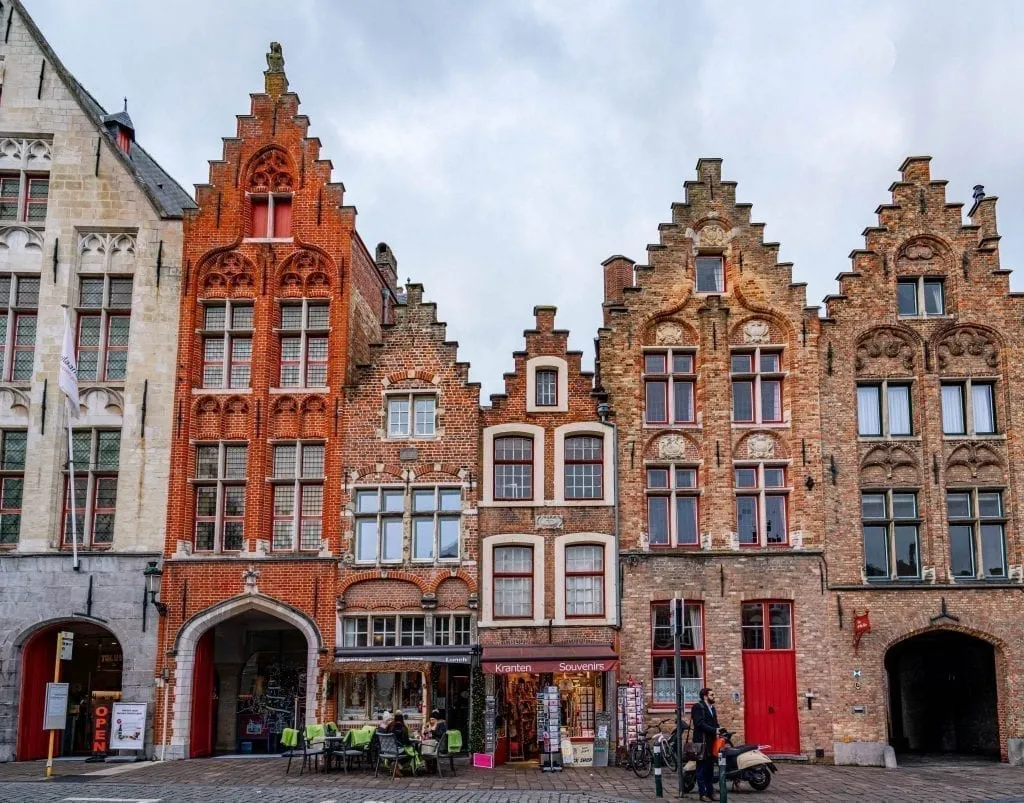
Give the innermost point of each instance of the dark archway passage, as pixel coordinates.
(942, 695)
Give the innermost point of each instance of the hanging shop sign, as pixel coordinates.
(536, 667)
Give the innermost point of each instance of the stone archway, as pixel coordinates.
(943, 694)
(185, 650)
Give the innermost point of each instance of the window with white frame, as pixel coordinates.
(761, 496)
(921, 296)
(104, 321)
(977, 533)
(436, 523)
(672, 506)
(513, 467)
(23, 198)
(13, 448)
(412, 415)
(546, 391)
(513, 582)
(691, 649)
(452, 630)
(298, 482)
(584, 580)
(968, 408)
(220, 496)
(756, 386)
(884, 409)
(227, 344)
(379, 516)
(97, 455)
(710, 274)
(304, 332)
(19, 304)
(891, 523)
(584, 467)
(669, 382)
(271, 216)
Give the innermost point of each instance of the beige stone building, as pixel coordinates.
(89, 220)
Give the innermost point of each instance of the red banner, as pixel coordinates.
(535, 667)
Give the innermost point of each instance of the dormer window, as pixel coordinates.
(710, 275)
(921, 297)
(271, 216)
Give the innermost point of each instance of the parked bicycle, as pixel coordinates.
(640, 757)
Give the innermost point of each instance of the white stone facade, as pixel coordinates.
(114, 220)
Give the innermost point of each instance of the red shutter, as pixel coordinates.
(282, 217)
(36, 670)
(202, 698)
(258, 228)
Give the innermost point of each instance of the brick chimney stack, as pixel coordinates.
(618, 275)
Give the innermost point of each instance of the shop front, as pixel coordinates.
(410, 680)
(550, 703)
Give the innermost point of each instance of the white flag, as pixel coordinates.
(69, 367)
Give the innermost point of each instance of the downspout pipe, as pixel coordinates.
(604, 412)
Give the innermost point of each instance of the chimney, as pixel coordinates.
(544, 317)
(983, 213)
(618, 275)
(121, 128)
(387, 264)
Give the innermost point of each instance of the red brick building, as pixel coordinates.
(549, 576)
(407, 592)
(920, 387)
(709, 362)
(280, 301)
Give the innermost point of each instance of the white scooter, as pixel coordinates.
(743, 763)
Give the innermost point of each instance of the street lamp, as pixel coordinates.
(153, 575)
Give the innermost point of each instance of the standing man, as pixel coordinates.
(705, 729)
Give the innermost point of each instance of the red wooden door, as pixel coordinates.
(201, 731)
(769, 677)
(36, 670)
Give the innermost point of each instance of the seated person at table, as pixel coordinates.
(384, 723)
(436, 726)
(404, 740)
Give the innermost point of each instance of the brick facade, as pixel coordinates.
(971, 336)
(667, 358)
(311, 281)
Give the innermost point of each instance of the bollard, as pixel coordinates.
(658, 790)
(723, 784)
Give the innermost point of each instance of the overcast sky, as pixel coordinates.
(504, 149)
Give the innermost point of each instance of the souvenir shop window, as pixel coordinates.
(691, 647)
(582, 695)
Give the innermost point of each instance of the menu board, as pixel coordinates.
(603, 722)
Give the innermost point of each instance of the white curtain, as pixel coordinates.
(981, 402)
(952, 409)
(899, 410)
(869, 419)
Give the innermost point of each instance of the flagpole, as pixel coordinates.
(69, 384)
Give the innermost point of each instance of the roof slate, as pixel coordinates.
(168, 197)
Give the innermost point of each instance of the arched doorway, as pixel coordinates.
(942, 695)
(93, 676)
(246, 669)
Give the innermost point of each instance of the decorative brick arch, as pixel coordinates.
(185, 648)
(271, 169)
(664, 329)
(381, 574)
(968, 348)
(226, 273)
(309, 272)
(401, 377)
(459, 574)
(894, 347)
(998, 644)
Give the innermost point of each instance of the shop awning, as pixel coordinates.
(462, 654)
(550, 658)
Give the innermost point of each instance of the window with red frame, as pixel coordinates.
(97, 458)
(767, 625)
(220, 485)
(672, 510)
(756, 386)
(19, 301)
(304, 334)
(227, 344)
(13, 448)
(513, 582)
(23, 198)
(691, 649)
(584, 580)
(298, 480)
(513, 467)
(584, 467)
(761, 495)
(669, 382)
(104, 322)
(271, 217)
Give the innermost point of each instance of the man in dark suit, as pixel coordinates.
(705, 729)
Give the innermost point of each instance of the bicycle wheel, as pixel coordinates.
(641, 759)
(668, 754)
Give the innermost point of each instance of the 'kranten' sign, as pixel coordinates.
(535, 667)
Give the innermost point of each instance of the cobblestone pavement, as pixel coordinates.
(264, 781)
